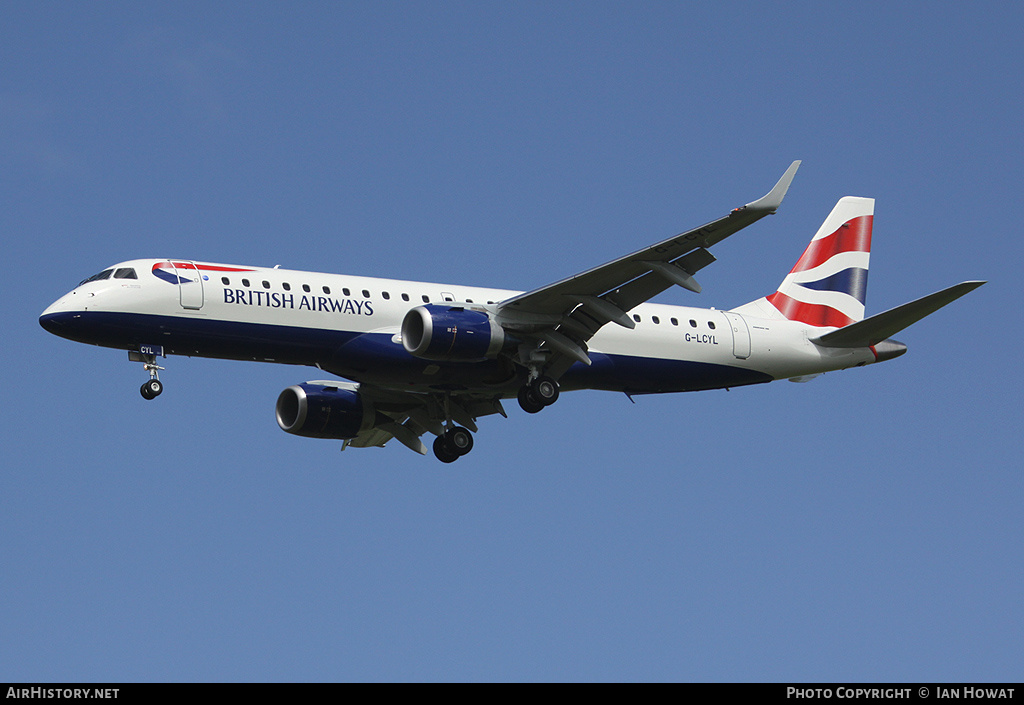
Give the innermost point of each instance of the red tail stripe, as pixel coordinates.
(852, 236)
(811, 314)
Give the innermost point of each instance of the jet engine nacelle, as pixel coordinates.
(321, 411)
(451, 333)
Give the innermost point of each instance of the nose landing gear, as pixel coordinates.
(152, 388)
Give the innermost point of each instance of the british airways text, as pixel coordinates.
(274, 299)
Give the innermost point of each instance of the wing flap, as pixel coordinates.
(405, 416)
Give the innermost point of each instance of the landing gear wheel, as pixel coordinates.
(455, 443)
(530, 403)
(459, 439)
(544, 390)
(443, 453)
(151, 389)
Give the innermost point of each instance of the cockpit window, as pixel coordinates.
(125, 273)
(105, 274)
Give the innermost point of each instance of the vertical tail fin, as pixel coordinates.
(827, 285)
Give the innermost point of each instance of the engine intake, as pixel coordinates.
(320, 411)
(451, 333)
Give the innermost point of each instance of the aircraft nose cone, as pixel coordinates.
(57, 318)
(56, 323)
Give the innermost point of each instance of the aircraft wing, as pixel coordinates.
(566, 314)
(405, 416)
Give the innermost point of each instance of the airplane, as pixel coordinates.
(414, 357)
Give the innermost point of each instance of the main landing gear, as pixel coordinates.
(455, 441)
(540, 392)
(453, 444)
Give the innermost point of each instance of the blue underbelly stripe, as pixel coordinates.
(375, 357)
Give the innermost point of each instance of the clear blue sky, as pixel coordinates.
(864, 526)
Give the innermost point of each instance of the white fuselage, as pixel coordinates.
(350, 326)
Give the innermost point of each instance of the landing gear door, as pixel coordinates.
(740, 335)
(190, 285)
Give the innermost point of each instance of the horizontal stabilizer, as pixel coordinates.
(875, 329)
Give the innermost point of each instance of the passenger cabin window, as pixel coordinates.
(346, 291)
(675, 321)
(405, 297)
(426, 299)
(225, 281)
(266, 285)
(286, 286)
(386, 295)
(693, 323)
(636, 318)
(711, 325)
(327, 289)
(125, 273)
(366, 294)
(245, 282)
(656, 320)
(305, 288)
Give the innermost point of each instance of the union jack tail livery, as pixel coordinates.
(827, 285)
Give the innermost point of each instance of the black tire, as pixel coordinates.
(459, 440)
(442, 452)
(152, 389)
(528, 402)
(545, 390)
(144, 391)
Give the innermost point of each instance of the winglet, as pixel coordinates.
(773, 199)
